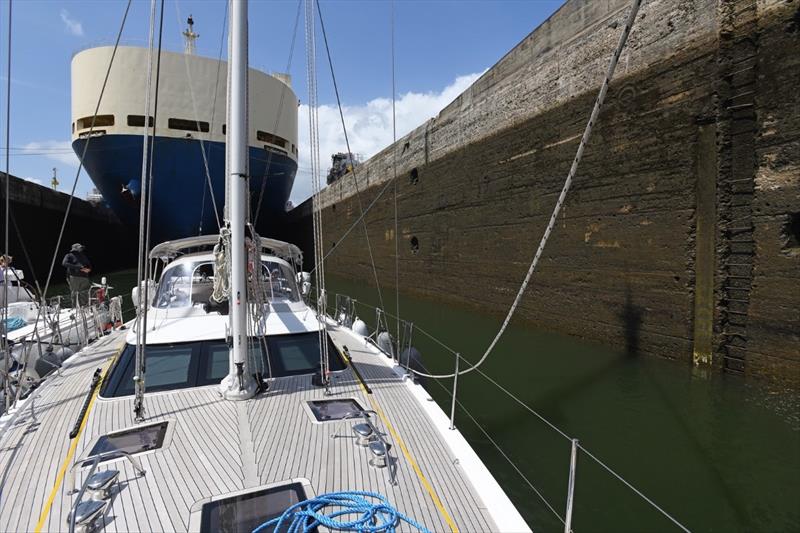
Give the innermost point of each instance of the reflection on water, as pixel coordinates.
(717, 452)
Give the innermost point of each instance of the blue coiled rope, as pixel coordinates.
(375, 516)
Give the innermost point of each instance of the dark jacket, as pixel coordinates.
(74, 262)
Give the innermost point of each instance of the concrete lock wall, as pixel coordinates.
(680, 237)
(37, 214)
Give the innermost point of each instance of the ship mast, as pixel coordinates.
(239, 383)
(189, 37)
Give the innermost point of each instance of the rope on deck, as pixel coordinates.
(373, 516)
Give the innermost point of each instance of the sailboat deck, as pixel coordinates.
(214, 447)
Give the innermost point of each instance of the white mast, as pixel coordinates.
(189, 37)
(239, 383)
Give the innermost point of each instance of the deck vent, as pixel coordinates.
(245, 512)
(330, 410)
(135, 440)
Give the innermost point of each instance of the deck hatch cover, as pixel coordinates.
(245, 512)
(135, 440)
(329, 410)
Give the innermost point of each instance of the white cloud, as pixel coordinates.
(60, 151)
(37, 181)
(369, 127)
(70, 24)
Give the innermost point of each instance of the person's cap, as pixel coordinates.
(77, 247)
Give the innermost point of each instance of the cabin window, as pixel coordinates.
(137, 121)
(199, 363)
(263, 136)
(187, 125)
(99, 121)
(223, 129)
(187, 284)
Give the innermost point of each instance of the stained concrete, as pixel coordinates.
(478, 182)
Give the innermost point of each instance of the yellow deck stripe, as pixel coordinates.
(65, 465)
(425, 483)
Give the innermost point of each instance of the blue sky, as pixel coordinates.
(440, 48)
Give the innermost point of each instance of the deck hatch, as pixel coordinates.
(245, 512)
(330, 410)
(135, 440)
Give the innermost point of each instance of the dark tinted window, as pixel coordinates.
(216, 363)
(98, 121)
(272, 139)
(242, 514)
(186, 124)
(136, 440)
(138, 121)
(192, 364)
(168, 367)
(295, 354)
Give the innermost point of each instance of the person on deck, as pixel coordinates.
(5, 269)
(78, 268)
(5, 264)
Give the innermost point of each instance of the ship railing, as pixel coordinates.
(63, 322)
(346, 312)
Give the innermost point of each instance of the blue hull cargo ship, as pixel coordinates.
(189, 138)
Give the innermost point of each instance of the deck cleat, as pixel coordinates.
(380, 454)
(364, 434)
(99, 485)
(86, 513)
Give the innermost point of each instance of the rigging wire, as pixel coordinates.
(394, 180)
(347, 144)
(316, 211)
(142, 260)
(623, 38)
(78, 172)
(211, 122)
(278, 116)
(6, 355)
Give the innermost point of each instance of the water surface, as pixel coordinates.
(718, 452)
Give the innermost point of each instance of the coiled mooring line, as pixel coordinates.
(373, 516)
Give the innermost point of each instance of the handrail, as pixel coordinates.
(95, 459)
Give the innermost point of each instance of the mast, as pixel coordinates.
(239, 383)
(189, 37)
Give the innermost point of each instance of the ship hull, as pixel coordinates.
(182, 205)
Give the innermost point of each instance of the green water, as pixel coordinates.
(717, 452)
